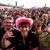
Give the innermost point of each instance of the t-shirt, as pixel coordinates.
(1, 35)
(43, 41)
(2, 32)
(28, 43)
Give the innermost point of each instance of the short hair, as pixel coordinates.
(24, 24)
(37, 23)
(45, 14)
(10, 18)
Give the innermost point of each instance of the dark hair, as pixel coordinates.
(24, 24)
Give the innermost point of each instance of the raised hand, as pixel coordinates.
(8, 34)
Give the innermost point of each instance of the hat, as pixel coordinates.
(23, 20)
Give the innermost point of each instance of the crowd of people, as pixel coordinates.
(25, 29)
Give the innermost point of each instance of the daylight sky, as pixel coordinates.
(27, 3)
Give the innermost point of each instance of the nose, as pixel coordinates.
(24, 28)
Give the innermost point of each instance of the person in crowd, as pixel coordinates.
(47, 29)
(7, 34)
(42, 35)
(25, 40)
(44, 20)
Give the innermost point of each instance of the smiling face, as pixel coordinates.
(7, 24)
(24, 27)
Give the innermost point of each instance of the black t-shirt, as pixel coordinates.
(12, 40)
(30, 42)
(1, 34)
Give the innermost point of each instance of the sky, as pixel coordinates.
(27, 3)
